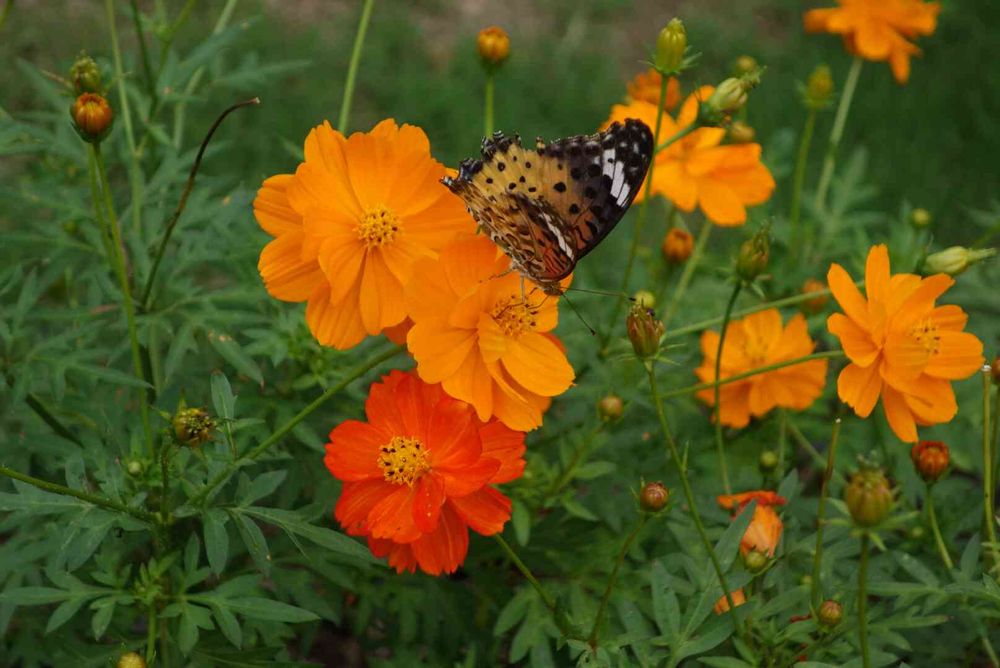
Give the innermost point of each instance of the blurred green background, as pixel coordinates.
(569, 63)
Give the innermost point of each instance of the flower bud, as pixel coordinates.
(753, 256)
(85, 75)
(755, 561)
(953, 261)
(610, 408)
(193, 427)
(767, 462)
(830, 613)
(729, 97)
(131, 660)
(930, 459)
(677, 245)
(645, 298)
(741, 133)
(134, 467)
(744, 65)
(920, 218)
(493, 44)
(92, 117)
(818, 91)
(644, 331)
(670, 48)
(917, 532)
(868, 496)
(817, 303)
(653, 497)
(722, 605)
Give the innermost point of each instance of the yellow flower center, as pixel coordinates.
(403, 460)
(926, 333)
(379, 226)
(514, 316)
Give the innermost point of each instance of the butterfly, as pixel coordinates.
(549, 206)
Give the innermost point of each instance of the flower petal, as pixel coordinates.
(485, 511)
(538, 364)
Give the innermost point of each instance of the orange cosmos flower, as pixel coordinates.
(878, 30)
(753, 342)
(765, 527)
(419, 473)
(348, 225)
(475, 334)
(645, 87)
(696, 170)
(722, 605)
(902, 347)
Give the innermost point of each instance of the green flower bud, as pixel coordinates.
(755, 561)
(753, 257)
(920, 218)
(868, 496)
(953, 261)
(654, 497)
(644, 331)
(610, 407)
(818, 91)
(670, 48)
(745, 65)
(131, 660)
(645, 298)
(85, 75)
(193, 427)
(830, 613)
(767, 462)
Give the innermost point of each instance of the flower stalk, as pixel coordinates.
(839, 121)
(547, 599)
(690, 389)
(613, 578)
(798, 179)
(863, 601)
(352, 68)
(720, 449)
(831, 455)
(932, 519)
(989, 512)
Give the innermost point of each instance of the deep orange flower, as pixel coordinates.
(476, 335)
(878, 30)
(764, 530)
(902, 347)
(696, 170)
(419, 473)
(737, 502)
(753, 342)
(349, 224)
(645, 87)
(722, 605)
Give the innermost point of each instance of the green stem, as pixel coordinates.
(6, 11)
(681, 134)
(613, 578)
(549, 602)
(831, 456)
(863, 602)
(839, 122)
(720, 449)
(782, 442)
(172, 223)
(118, 261)
(353, 375)
(988, 509)
(92, 499)
(143, 53)
(993, 437)
(48, 418)
(932, 517)
(151, 625)
(798, 180)
(488, 110)
(808, 447)
(689, 496)
(690, 389)
(352, 68)
(688, 273)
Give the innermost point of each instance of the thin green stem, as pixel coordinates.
(691, 389)
(613, 578)
(172, 223)
(688, 273)
(808, 447)
(488, 110)
(863, 602)
(6, 12)
(782, 442)
(801, 160)
(92, 499)
(274, 438)
(549, 602)
(143, 52)
(720, 449)
(352, 68)
(988, 646)
(988, 508)
(48, 418)
(681, 134)
(993, 437)
(118, 261)
(689, 496)
(839, 121)
(831, 456)
(938, 540)
(151, 625)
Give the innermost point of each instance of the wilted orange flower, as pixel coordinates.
(753, 342)
(696, 170)
(902, 347)
(645, 87)
(476, 335)
(349, 224)
(722, 605)
(764, 530)
(878, 30)
(419, 473)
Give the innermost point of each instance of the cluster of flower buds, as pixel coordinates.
(817, 93)
(92, 115)
(953, 261)
(868, 496)
(493, 45)
(754, 255)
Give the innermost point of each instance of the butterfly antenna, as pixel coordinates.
(579, 315)
(606, 293)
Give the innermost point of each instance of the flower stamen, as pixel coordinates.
(926, 333)
(378, 227)
(403, 460)
(514, 316)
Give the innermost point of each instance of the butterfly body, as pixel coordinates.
(549, 206)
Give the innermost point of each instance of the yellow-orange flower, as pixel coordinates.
(878, 30)
(475, 334)
(696, 171)
(755, 341)
(764, 530)
(902, 347)
(645, 87)
(349, 224)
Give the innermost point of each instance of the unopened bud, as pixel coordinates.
(653, 497)
(955, 260)
(767, 462)
(644, 331)
(755, 561)
(92, 117)
(134, 467)
(817, 303)
(729, 97)
(193, 426)
(645, 298)
(131, 660)
(741, 133)
(493, 44)
(930, 459)
(85, 75)
(678, 245)
(610, 407)
(818, 91)
(920, 218)
(753, 256)
(868, 496)
(744, 65)
(830, 613)
(670, 48)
